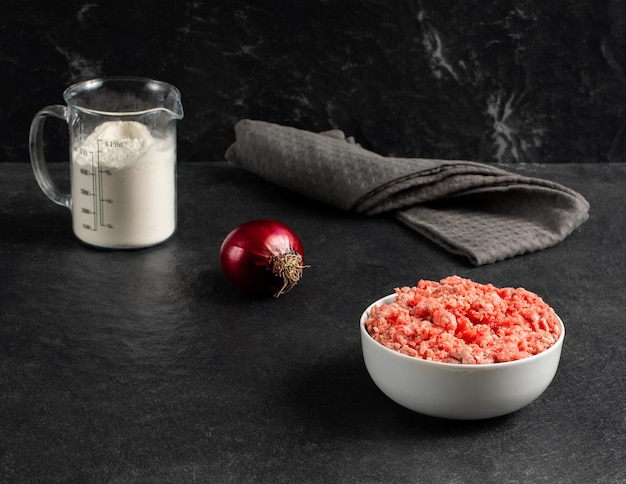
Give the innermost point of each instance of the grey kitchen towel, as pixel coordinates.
(473, 209)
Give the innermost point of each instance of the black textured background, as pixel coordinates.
(503, 80)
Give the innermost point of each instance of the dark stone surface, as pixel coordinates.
(148, 366)
(505, 80)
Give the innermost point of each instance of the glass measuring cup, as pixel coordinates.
(122, 160)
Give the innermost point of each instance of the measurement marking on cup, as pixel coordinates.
(93, 192)
(102, 172)
(86, 192)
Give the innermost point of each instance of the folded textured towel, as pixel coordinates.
(473, 209)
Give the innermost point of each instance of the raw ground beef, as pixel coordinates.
(457, 320)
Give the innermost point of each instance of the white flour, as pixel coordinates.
(123, 186)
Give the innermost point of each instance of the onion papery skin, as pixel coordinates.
(248, 251)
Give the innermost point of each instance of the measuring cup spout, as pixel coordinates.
(172, 101)
(175, 108)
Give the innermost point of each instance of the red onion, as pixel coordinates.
(262, 257)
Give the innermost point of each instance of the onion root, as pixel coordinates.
(287, 266)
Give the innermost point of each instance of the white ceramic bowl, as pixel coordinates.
(458, 391)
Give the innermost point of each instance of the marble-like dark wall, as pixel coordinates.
(496, 81)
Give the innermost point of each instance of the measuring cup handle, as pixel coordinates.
(38, 159)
